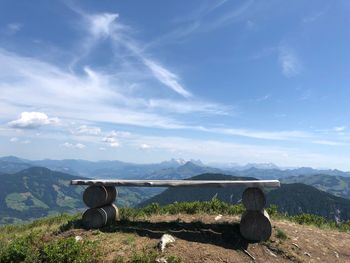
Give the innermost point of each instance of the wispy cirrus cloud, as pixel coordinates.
(289, 61)
(261, 134)
(107, 25)
(207, 17)
(330, 143)
(13, 28)
(313, 17)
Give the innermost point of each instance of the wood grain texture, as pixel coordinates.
(99, 195)
(255, 225)
(179, 183)
(99, 217)
(253, 198)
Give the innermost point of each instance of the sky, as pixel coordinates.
(145, 81)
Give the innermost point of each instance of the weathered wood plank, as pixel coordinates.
(180, 183)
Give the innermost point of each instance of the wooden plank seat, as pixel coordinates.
(100, 195)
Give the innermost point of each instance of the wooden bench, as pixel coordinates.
(100, 195)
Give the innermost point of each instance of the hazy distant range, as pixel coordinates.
(172, 169)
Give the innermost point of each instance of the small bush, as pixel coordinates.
(174, 259)
(280, 234)
(144, 257)
(21, 249)
(308, 219)
(272, 210)
(67, 250)
(32, 248)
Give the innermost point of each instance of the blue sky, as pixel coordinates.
(145, 81)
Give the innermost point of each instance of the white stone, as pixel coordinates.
(165, 239)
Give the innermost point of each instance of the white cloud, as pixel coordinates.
(88, 130)
(31, 120)
(13, 28)
(14, 139)
(144, 146)
(111, 141)
(120, 134)
(74, 146)
(26, 141)
(105, 25)
(328, 142)
(189, 106)
(102, 24)
(166, 77)
(339, 128)
(260, 134)
(289, 62)
(114, 144)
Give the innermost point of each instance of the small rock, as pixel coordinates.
(336, 254)
(307, 254)
(296, 245)
(161, 260)
(78, 238)
(165, 239)
(270, 252)
(218, 217)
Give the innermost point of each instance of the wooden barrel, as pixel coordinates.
(99, 217)
(254, 199)
(255, 225)
(99, 195)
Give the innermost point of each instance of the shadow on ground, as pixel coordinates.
(226, 235)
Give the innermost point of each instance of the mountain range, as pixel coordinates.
(28, 191)
(174, 168)
(291, 199)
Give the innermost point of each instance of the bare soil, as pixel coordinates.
(201, 238)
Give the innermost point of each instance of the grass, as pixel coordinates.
(148, 257)
(34, 247)
(215, 206)
(44, 240)
(280, 234)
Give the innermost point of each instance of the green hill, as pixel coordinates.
(291, 199)
(336, 185)
(37, 192)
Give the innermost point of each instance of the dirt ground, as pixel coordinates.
(201, 238)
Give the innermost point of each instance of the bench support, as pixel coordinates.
(255, 222)
(102, 211)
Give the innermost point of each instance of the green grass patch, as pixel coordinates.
(280, 234)
(148, 257)
(212, 207)
(34, 248)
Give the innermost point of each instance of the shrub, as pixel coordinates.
(309, 219)
(19, 249)
(32, 248)
(280, 234)
(144, 257)
(68, 250)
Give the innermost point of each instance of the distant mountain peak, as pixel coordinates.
(13, 159)
(261, 166)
